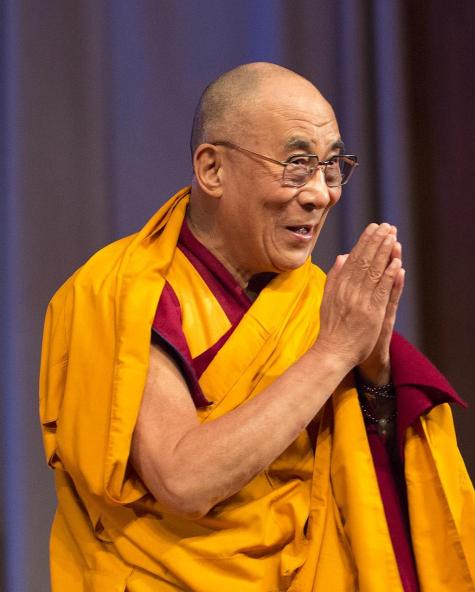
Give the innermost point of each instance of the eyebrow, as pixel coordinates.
(338, 145)
(306, 145)
(299, 143)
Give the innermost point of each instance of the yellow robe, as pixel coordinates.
(110, 535)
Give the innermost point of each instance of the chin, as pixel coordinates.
(290, 264)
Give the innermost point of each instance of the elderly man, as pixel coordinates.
(219, 416)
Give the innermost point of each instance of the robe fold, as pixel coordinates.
(308, 522)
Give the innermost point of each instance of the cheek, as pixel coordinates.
(323, 220)
(335, 195)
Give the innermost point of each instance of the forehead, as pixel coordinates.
(299, 118)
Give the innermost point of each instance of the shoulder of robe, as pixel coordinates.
(105, 264)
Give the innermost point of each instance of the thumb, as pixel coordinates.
(339, 262)
(335, 270)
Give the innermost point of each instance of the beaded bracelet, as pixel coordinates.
(385, 391)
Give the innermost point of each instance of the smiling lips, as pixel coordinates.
(303, 231)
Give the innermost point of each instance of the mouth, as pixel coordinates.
(303, 231)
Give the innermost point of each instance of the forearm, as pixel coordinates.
(190, 467)
(216, 459)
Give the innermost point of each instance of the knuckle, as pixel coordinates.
(390, 272)
(376, 237)
(381, 293)
(379, 235)
(374, 274)
(364, 263)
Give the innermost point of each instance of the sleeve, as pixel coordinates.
(419, 385)
(53, 370)
(94, 366)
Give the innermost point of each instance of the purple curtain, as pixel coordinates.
(96, 104)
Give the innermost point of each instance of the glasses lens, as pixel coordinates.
(338, 171)
(299, 170)
(334, 172)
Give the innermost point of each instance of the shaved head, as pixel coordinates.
(226, 104)
(248, 123)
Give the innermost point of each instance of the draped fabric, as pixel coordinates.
(109, 535)
(96, 104)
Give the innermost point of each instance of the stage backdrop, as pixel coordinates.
(96, 105)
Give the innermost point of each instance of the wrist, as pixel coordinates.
(334, 360)
(375, 374)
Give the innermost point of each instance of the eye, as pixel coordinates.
(302, 160)
(333, 172)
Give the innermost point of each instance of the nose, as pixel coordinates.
(316, 194)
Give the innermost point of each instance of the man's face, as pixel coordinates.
(270, 227)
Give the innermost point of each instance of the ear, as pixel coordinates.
(207, 165)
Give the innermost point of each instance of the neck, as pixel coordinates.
(212, 241)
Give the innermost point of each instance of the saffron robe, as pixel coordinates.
(321, 519)
(408, 367)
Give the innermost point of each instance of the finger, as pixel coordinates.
(362, 257)
(382, 292)
(391, 310)
(339, 262)
(362, 243)
(334, 271)
(397, 251)
(381, 349)
(378, 265)
(398, 288)
(393, 303)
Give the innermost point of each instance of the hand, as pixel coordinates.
(360, 300)
(377, 368)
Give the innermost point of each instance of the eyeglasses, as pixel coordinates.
(300, 168)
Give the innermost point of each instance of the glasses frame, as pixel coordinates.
(319, 163)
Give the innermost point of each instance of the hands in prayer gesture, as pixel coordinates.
(360, 302)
